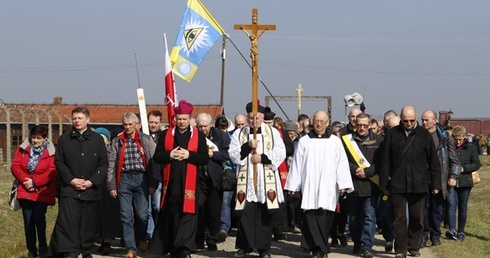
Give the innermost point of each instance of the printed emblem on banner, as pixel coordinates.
(240, 196)
(271, 195)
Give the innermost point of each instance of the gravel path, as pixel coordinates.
(288, 248)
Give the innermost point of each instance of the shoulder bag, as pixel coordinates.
(228, 180)
(476, 177)
(13, 202)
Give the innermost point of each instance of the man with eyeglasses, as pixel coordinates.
(409, 163)
(210, 196)
(320, 170)
(362, 151)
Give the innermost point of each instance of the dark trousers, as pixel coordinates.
(209, 214)
(386, 217)
(34, 214)
(280, 217)
(433, 216)
(408, 231)
(254, 227)
(76, 227)
(317, 225)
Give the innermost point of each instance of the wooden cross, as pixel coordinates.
(299, 90)
(254, 50)
(254, 36)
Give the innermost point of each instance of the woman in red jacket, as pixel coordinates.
(33, 167)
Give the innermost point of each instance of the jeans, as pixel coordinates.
(226, 211)
(458, 198)
(362, 216)
(433, 216)
(34, 214)
(133, 196)
(153, 210)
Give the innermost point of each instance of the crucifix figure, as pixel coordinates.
(299, 90)
(257, 30)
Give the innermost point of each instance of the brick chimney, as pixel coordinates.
(58, 101)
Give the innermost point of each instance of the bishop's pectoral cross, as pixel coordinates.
(254, 36)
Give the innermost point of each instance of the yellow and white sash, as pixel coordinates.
(356, 153)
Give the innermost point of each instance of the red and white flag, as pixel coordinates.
(170, 92)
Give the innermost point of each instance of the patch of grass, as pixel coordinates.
(12, 238)
(477, 226)
(12, 241)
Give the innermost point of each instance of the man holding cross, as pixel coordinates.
(259, 185)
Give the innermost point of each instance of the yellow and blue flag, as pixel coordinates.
(197, 34)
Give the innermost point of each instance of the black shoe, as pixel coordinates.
(31, 255)
(343, 239)
(200, 248)
(436, 241)
(388, 246)
(87, 256)
(356, 250)
(105, 248)
(367, 253)
(242, 252)
(222, 236)
(264, 254)
(319, 254)
(212, 246)
(334, 243)
(423, 242)
(70, 255)
(414, 253)
(279, 236)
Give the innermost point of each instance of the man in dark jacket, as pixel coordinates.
(409, 164)
(209, 212)
(362, 150)
(81, 161)
(446, 152)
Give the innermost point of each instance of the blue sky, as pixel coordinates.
(430, 54)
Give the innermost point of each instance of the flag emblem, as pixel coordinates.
(197, 34)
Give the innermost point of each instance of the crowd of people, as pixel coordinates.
(162, 193)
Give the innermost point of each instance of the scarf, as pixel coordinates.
(35, 155)
(191, 171)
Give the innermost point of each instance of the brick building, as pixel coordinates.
(20, 118)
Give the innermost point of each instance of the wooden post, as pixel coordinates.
(299, 90)
(254, 36)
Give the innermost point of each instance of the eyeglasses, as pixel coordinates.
(319, 121)
(362, 125)
(409, 120)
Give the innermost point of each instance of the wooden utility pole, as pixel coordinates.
(257, 30)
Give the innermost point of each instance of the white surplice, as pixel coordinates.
(319, 169)
(276, 155)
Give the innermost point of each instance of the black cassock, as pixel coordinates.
(175, 230)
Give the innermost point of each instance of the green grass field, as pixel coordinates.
(477, 244)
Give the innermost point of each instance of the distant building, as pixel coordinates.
(476, 126)
(20, 118)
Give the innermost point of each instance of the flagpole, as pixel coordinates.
(223, 59)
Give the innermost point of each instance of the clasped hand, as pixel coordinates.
(179, 154)
(81, 184)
